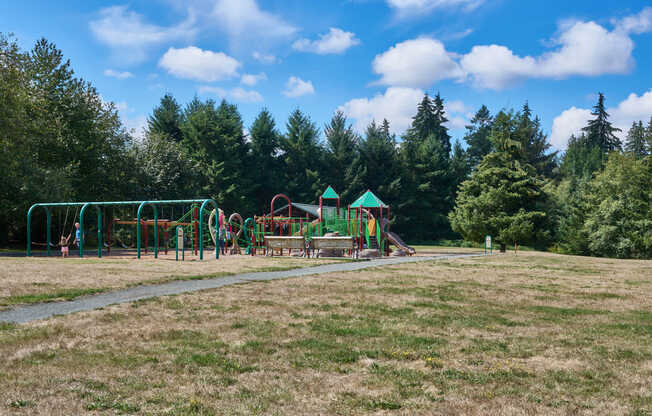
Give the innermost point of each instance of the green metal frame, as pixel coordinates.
(99, 205)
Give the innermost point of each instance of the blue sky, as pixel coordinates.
(373, 59)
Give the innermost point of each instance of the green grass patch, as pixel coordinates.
(59, 295)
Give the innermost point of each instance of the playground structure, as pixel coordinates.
(364, 225)
(295, 228)
(195, 220)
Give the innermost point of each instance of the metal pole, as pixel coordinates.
(48, 232)
(81, 229)
(99, 231)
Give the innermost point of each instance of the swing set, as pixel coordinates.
(200, 208)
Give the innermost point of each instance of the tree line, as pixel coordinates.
(61, 141)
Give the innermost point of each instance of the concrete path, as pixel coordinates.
(23, 314)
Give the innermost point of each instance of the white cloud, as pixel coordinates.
(296, 87)
(130, 36)
(247, 24)
(637, 23)
(236, 94)
(415, 7)
(584, 48)
(252, 79)
(416, 63)
(198, 64)
(264, 58)
(571, 121)
(455, 106)
(397, 105)
(334, 42)
(118, 74)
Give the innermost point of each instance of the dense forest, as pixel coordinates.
(60, 141)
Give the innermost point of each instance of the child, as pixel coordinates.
(78, 234)
(64, 245)
(221, 237)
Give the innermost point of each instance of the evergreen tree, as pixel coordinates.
(424, 123)
(619, 215)
(635, 142)
(477, 136)
(503, 198)
(460, 168)
(166, 119)
(441, 131)
(534, 145)
(379, 158)
(266, 163)
(302, 159)
(581, 159)
(341, 151)
(599, 131)
(648, 136)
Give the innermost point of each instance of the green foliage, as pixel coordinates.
(619, 218)
(265, 147)
(477, 137)
(303, 159)
(636, 142)
(166, 119)
(503, 197)
(342, 156)
(599, 131)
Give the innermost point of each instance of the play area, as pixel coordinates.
(185, 229)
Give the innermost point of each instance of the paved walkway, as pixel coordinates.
(23, 314)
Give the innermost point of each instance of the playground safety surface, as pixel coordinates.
(24, 314)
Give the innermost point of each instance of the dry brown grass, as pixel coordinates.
(23, 280)
(506, 335)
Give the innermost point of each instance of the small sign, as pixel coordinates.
(180, 243)
(487, 245)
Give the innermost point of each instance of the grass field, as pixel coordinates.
(532, 333)
(39, 279)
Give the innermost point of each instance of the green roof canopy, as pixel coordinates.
(330, 193)
(368, 200)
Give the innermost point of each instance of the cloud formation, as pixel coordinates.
(236, 94)
(416, 63)
(336, 41)
(197, 64)
(130, 37)
(118, 74)
(245, 22)
(252, 79)
(579, 49)
(296, 87)
(407, 8)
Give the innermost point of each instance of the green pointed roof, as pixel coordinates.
(368, 200)
(330, 193)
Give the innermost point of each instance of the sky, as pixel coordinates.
(371, 59)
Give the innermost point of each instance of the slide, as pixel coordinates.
(396, 240)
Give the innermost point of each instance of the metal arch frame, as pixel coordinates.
(271, 209)
(99, 205)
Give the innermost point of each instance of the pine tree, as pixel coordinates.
(441, 131)
(341, 151)
(581, 159)
(460, 168)
(302, 159)
(266, 163)
(166, 119)
(379, 158)
(503, 198)
(648, 136)
(424, 123)
(477, 136)
(635, 142)
(599, 131)
(535, 147)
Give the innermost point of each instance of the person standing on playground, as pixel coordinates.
(221, 237)
(78, 234)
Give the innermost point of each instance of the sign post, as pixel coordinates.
(180, 243)
(487, 245)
